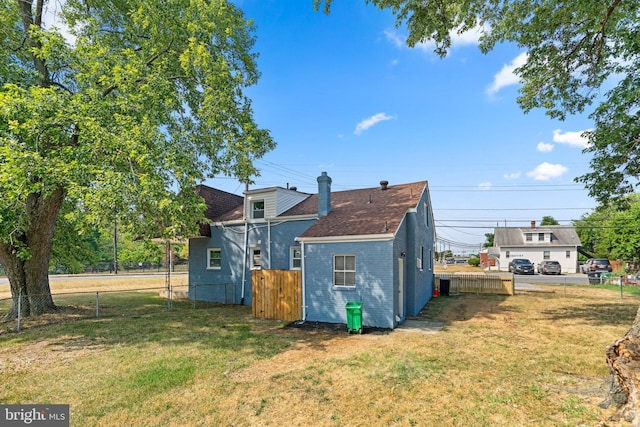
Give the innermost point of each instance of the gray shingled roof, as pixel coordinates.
(563, 235)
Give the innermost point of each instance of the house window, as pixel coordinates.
(430, 258)
(540, 237)
(568, 254)
(529, 237)
(507, 254)
(295, 257)
(546, 255)
(344, 270)
(255, 259)
(214, 259)
(420, 259)
(426, 214)
(257, 209)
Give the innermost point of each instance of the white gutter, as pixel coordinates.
(358, 238)
(269, 244)
(302, 272)
(244, 262)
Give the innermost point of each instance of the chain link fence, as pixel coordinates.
(100, 304)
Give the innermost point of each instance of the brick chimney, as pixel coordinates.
(533, 224)
(324, 195)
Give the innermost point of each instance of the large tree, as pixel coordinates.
(580, 54)
(120, 116)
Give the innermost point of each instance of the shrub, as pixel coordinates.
(474, 261)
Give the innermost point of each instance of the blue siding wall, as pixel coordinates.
(226, 285)
(420, 225)
(374, 283)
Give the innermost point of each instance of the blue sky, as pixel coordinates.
(343, 94)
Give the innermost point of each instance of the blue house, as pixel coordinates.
(373, 245)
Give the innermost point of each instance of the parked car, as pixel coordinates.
(594, 265)
(549, 267)
(521, 266)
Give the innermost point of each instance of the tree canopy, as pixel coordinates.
(612, 233)
(579, 54)
(549, 220)
(122, 117)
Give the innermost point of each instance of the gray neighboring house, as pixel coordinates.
(537, 243)
(373, 245)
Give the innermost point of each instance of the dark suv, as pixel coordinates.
(594, 265)
(521, 266)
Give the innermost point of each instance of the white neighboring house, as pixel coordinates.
(548, 242)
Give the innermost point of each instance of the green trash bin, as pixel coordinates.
(354, 316)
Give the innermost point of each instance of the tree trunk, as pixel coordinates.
(623, 358)
(29, 276)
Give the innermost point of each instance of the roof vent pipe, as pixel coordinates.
(383, 185)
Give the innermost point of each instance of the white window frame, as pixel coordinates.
(420, 259)
(528, 237)
(252, 253)
(567, 254)
(254, 210)
(507, 254)
(546, 255)
(211, 251)
(344, 271)
(540, 237)
(293, 258)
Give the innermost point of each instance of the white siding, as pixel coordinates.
(536, 256)
(276, 201)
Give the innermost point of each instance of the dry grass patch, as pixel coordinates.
(535, 359)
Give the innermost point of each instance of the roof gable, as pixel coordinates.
(562, 235)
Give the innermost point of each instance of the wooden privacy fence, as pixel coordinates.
(477, 283)
(276, 294)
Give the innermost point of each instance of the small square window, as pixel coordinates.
(256, 262)
(568, 254)
(507, 254)
(546, 255)
(344, 270)
(296, 258)
(529, 237)
(540, 237)
(257, 209)
(214, 259)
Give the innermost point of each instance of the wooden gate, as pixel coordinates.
(276, 294)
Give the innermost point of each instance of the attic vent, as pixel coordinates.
(294, 189)
(383, 185)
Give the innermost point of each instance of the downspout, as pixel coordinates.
(269, 244)
(304, 288)
(244, 262)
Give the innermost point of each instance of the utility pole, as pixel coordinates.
(115, 246)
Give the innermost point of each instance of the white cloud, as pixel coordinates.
(395, 38)
(485, 185)
(544, 147)
(467, 38)
(545, 171)
(371, 121)
(506, 77)
(394, 62)
(514, 175)
(574, 139)
(50, 18)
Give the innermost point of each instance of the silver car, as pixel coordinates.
(549, 267)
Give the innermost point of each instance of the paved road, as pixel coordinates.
(541, 279)
(4, 281)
